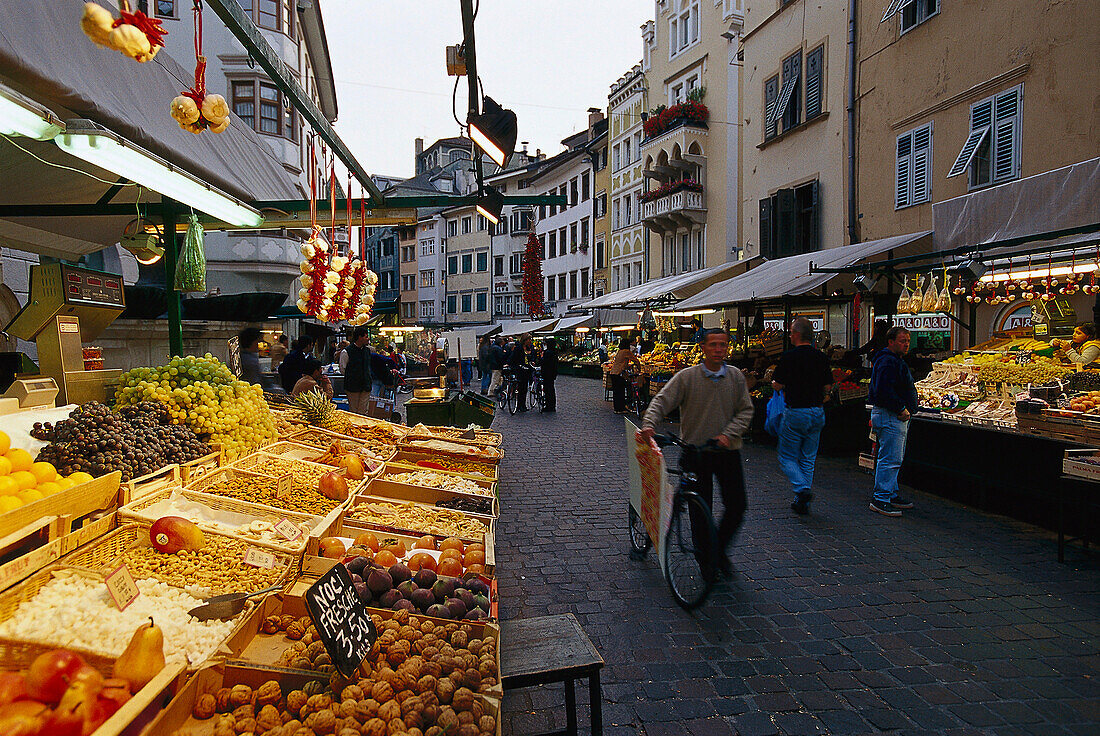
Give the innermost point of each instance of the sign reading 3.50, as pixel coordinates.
(342, 621)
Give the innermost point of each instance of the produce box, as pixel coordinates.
(481, 436)
(56, 544)
(255, 488)
(71, 504)
(142, 707)
(411, 517)
(259, 648)
(468, 468)
(167, 477)
(468, 503)
(195, 469)
(178, 718)
(1082, 464)
(323, 439)
(313, 564)
(453, 448)
(295, 451)
(249, 522)
(222, 569)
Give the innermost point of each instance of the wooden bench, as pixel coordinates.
(548, 649)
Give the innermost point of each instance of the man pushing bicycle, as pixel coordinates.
(714, 404)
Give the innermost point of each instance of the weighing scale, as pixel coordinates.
(68, 306)
(1055, 318)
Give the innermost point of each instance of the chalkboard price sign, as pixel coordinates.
(341, 619)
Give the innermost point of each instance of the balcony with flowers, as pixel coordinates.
(673, 205)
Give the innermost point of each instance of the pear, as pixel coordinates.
(143, 658)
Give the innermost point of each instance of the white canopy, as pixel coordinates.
(569, 324)
(791, 276)
(680, 286)
(520, 328)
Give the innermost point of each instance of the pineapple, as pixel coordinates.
(316, 409)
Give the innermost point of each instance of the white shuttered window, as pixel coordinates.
(914, 166)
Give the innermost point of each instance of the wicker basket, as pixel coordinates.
(102, 556)
(481, 436)
(483, 454)
(136, 511)
(321, 439)
(208, 481)
(297, 451)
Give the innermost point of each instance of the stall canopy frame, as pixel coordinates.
(667, 290)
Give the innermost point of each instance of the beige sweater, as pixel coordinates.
(707, 407)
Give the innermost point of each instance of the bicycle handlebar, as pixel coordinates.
(664, 440)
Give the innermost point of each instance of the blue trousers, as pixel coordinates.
(891, 433)
(799, 436)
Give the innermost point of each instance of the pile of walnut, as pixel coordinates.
(411, 653)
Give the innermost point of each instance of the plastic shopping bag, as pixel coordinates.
(774, 416)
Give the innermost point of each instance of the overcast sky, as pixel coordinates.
(549, 60)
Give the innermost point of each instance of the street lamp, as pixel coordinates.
(494, 130)
(490, 204)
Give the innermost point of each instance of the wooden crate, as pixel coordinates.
(29, 559)
(461, 449)
(486, 470)
(321, 439)
(195, 469)
(98, 494)
(176, 717)
(202, 485)
(350, 522)
(481, 436)
(391, 469)
(167, 477)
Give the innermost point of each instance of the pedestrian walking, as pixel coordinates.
(804, 377)
(520, 362)
(549, 373)
(714, 404)
(893, 399)
(293, 366)
(357, 373)
(624, 357)
(279, 351)
(248, 342)
(484, 372)
(497, 358)
(381, 369)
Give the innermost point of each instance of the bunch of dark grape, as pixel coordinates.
(1084, 381)
(138, 440)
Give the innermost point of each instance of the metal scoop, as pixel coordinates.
(226, 606)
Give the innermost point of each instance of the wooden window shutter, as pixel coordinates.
(1006, 156)
(771, 99)
(922, 163)
(813, 237)
(814, 81)
(786, 219)
(904, 171)
(767, 225)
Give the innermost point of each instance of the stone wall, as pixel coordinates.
(131, 343)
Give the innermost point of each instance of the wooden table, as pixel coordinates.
(548, 649)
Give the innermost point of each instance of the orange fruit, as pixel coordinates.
(5, 443)
(451, 543)
(398, 549)
(49, 488)
(29, 496)
(474, 557)
(80, 477)
(7, 485)
(5, 466)
(24, 479)
(475, 568)
(44, 472)
(425, 542)
(19, 459)
(449, 567)
(385, 558)
(421, 560)
(450, 554)
(368, 540)
(65, 483)
(7, 503)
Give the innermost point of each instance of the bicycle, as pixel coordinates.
(508, 393)
(634, 400)
(691, 542)
(535, 392)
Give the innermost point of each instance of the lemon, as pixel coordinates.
(7, 485)
(49, 488)
(24, 479)
(44, 472)
(19, 459)
(5, 466)
(80, 477)
(29, 496)
(7, 503)
(65, 483)
(5, 443)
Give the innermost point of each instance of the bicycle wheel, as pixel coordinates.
(502, 395)
(513, 398)
(639, 537)
(537, 397)
(690, 569)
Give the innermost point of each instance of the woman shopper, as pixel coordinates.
(624, 357)
(520, 361)
(314, 378)
(549, 365)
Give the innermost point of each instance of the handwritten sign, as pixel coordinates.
(259, 558)
(341, 619)
(1023, 357)
(288, 529)
(283, 486)
(122, 588)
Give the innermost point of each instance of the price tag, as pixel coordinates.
(1023, 357)
(121, 586)
(259, 558)
(341, 619)
(283, 486)
(288, 529)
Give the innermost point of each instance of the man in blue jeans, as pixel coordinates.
(804, 377)
(894, 399)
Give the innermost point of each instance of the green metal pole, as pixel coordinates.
(170, 241)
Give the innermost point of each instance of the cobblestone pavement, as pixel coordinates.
(946, 621)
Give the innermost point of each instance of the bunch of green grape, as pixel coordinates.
(202, 393)
(1039, 372)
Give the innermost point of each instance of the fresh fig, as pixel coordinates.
(438, 610)
(387, 599)
(407, 588)
(476, 586)
(443, 589)
(424, 578)
(476, 615)
(422, 598)
(482, 602)
(400, 573)
(356, 566)
(465, 596)
(379, 581)
(456, 607)
(404, 605)
(363, 592)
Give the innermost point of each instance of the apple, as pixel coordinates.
(332, 547)
(333, 486)
(12, 687)
(170, 534)
(23, 718)
(113, 696)
(50, 674)
(352, 465)
(88, 677)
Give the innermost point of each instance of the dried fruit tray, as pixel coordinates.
(384, 485)
(178, 716)
(233, 482)
(466, 468)
(322, 439)
(453, 448)
(231, 574)
(296, 451)
(421, 519)
(481, 436)
(261, 519)
(260, 648)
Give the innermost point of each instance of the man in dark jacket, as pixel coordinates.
(549, 373)
(293, 366)
(382, 368)
(497, 359)
(894, 400)
(357, 374)
(520, 362)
